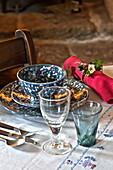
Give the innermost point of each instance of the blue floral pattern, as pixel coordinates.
(108, 133)
(33, 78)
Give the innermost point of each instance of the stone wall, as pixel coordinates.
(109, 7)
(58, 34)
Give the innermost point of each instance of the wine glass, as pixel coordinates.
(54, 105)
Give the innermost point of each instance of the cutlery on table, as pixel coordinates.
(23, 132)
(16, 139)
(13, 142)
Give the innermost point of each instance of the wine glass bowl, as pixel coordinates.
(54, 105)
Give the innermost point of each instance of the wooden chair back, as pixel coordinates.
(15, 53)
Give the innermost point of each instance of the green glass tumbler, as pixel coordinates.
(86, 118)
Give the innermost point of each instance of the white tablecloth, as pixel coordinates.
(30, 157)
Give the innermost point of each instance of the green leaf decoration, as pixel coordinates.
(68, 72)
(98, 64)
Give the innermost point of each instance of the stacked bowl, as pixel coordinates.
(33, 78)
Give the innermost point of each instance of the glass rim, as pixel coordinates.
(39, 94)
(88, 101)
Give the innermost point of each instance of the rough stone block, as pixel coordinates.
(8, 25)
(51, 52)
(109, 7)
(98, 49)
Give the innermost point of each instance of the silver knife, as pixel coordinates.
(23, 132)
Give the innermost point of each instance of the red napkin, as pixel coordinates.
(100, 82)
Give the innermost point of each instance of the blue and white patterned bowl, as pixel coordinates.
(33, 78)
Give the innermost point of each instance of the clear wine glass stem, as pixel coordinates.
(55, 136)
(55, 141)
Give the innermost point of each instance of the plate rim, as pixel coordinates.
(14, 111)
(21, 113)
(22, 103)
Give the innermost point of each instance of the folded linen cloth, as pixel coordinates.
(98, 81)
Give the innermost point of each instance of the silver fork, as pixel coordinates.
(17, 137)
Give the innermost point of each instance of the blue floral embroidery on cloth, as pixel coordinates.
(108, 133)
(88, 161)
(69, 162)
(100, 147)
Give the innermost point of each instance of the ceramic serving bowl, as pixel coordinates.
(33, 78)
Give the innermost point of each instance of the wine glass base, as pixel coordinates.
(57, 149)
